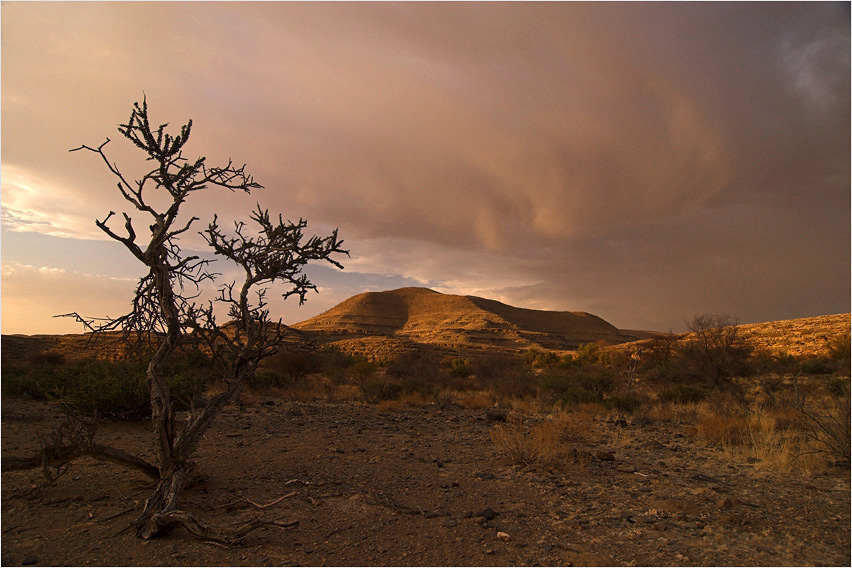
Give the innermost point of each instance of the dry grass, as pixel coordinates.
(772, 439)
(390, 406)
(477, 399)
(724, 430)
(527, 406)
(347, 393)
(593, 409)
(575, 427)
(413, 399)
(546, 444)
(538, 446)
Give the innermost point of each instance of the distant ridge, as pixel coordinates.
(425, 316)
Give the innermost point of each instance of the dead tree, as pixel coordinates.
(164, 314)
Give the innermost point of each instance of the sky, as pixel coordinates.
(643, 162)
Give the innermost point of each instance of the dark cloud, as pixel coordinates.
(642, 161)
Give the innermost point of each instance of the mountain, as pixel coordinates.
(421, 315)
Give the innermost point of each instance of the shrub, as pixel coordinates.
(113, 389)
(423, 367)
(515, 383)
(492, 366)
(658, 351)
(816, 367)
(362, 369)
(684, 394)
(592, 354)
(828, 425)
(296, 365)
(270, 378)
(46, 358)
(838, 387)
(461, 368)
(377, 390)
(413, 386)
(717, 348)
(839, 348)
(626, 403)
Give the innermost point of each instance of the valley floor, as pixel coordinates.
(404, 488)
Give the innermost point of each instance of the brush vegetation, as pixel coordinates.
(771, 408)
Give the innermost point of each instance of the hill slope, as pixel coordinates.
(422, 315)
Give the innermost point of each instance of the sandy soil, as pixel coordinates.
(412, 487)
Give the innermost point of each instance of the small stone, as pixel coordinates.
(604, 455)
(702, 477)
(496, 415)
(467, 514)
(487, 512)
(547, 547)
(29, 560)
(503, 536)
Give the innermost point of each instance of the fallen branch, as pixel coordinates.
(120, 513)
(253, 504)
(58, 456)
(200, 529)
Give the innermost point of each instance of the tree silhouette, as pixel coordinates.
(164, 314)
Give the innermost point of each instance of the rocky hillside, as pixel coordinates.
(802, 336)
(423, 316)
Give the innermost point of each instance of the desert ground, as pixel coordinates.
(439, 471)
(426, 486)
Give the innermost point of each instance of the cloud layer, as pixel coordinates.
(645, 162)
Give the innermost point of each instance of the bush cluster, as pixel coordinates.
(112, 389)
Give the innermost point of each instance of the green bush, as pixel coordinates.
(578, 385)
(461, 368)
(362, 369)
(270, 378)
(113, 389)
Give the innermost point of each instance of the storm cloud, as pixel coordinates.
(644, 162)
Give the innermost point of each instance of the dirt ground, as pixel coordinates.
(416, 487)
